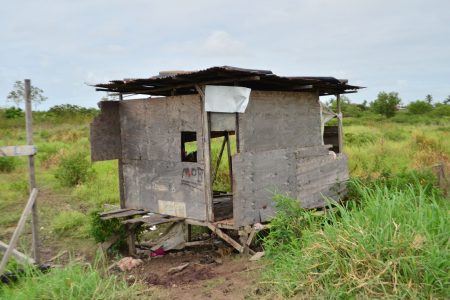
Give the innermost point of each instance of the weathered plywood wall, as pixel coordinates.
(307, 174)
(153, 175)
(105, 132)
(280, 120)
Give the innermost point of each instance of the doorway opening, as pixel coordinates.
(223, 147)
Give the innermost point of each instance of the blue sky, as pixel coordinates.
(401, 46)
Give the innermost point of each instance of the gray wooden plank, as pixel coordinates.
(124, 214)
(279, 120)
(18, 150)
(105, 132)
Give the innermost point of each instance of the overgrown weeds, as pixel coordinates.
(393, 242)
(74, 281)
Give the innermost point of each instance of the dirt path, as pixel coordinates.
(207, 276)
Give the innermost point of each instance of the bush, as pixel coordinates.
(13, 112)
(103, 230)
(74, 169)
(419, 107)
(8, 164)
(69, 109)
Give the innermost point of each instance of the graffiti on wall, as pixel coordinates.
(192, 176)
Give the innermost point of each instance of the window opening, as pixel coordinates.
(189, 146)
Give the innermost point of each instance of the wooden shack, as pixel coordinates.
(278, 145)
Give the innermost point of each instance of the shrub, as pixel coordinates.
(8, 164)
(74, 169)
(103, 230)
(419, 107)
(13, 112)
(69, 109)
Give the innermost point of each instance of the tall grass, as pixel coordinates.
(391, 243)
(74, 281)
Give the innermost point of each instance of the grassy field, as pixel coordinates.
(390, 241)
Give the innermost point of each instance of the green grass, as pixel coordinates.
(70, 223)
(74, 281)
(389, 242)
(392, 243)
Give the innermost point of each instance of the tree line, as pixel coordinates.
(388, 104)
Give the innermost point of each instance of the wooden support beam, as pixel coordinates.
(340, 131)
(225, 237)
(206, 156)
(32, 180)
(21, 258)
(15, 238)
(230, 165)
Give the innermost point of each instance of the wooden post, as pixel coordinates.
(230, 165)
(13, 243)
(32, 180)
(120, 164)
(340, 132)
(206, 156)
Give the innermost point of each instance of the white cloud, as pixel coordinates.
(384, 45)
(221, 43)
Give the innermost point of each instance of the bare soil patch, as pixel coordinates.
(208, 276)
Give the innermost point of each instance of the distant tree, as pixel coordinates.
(17, 95)
(386, 104)
(363, 106)
(441, 110)
(348, 109)
(429, 98)
(447, 100)
(419, 107)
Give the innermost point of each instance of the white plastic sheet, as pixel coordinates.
(226, 99)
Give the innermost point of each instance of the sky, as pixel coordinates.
(63, 46)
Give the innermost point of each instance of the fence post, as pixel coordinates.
(32, 179)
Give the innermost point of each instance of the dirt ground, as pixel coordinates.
(208, 276)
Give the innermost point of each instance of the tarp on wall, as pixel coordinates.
(226, 99)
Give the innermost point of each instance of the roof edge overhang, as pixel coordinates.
(169, 83)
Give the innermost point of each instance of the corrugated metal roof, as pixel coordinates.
(183, 82)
